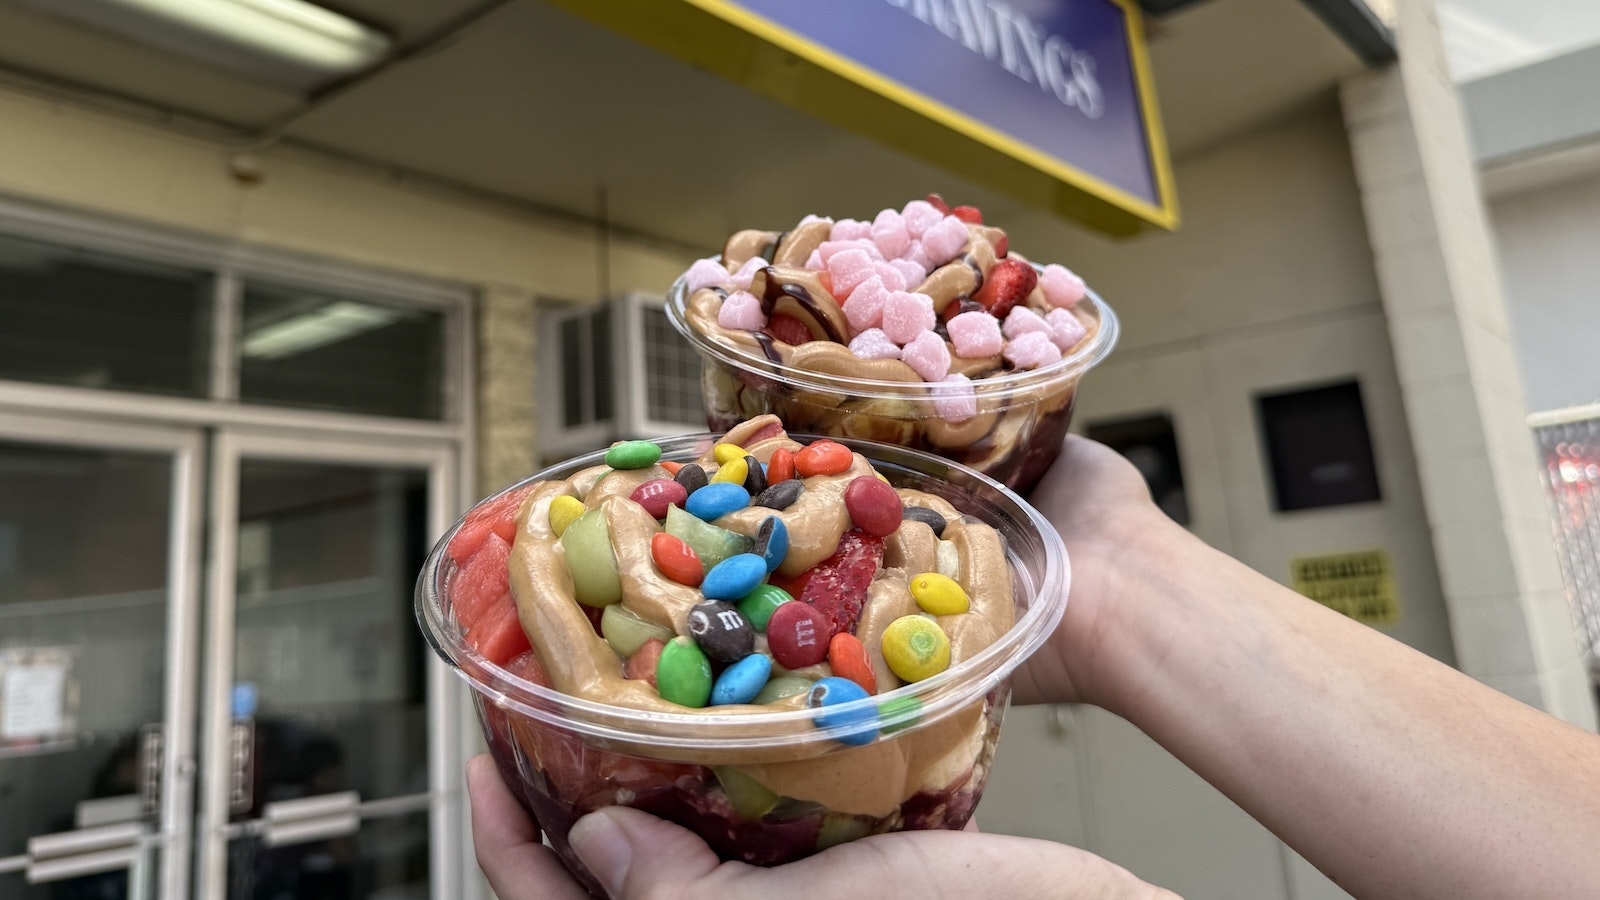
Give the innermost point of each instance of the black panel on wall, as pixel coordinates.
(1151, 444)
(1319, 451)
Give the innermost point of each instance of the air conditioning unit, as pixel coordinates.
(614, 371)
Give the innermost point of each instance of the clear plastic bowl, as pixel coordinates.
(1023, 415)
(564, 756)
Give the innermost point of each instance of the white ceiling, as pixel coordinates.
(525, 102)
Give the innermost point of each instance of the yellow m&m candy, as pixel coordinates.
(939, 594)
(564, 510)
(915, 647)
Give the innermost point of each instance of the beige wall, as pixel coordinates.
(71, 157)
(1269, 284)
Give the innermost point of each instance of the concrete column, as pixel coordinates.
(507, 342)
(1459, 378)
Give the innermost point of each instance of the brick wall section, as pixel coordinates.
(507, 341)
(1459, 378)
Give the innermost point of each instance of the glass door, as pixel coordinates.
(99, 570)
(327, 769)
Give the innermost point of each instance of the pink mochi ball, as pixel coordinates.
(920, 215)
(945, 241)
(1061, 286)
(864, 307)
(889, 234)
(849, 230)
(913, 271)
(1032, 350)
(975, 334)
(954, 398)
(874, 344)
(741, 279)
(848, 269)
(893, 278)
(703, 274)
(742, 310)
(1022, 320)
(928, 356)
(1065, 329)
(906, 315)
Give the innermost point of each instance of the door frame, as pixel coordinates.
(446, 700)
(187, 447)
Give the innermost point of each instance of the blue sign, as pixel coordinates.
(1055, 76)
(1050, 101)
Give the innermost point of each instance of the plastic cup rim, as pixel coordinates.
(950, 689)
(1011, 384)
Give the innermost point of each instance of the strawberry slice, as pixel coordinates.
(957, 307)
(838, 585)
(1002, 246)
(1009, 283)
(787, 328)
(938, 203)
(968, 214)
(795, 586)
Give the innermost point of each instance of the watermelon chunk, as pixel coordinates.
(483, 580)
(497, 516)
(499, 635)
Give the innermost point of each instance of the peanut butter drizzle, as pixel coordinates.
(872, 779)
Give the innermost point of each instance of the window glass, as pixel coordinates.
(102, 321)
(311, 348)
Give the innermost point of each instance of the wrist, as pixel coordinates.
(1126, 574)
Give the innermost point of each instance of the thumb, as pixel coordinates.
(631, 852)
(622, 846)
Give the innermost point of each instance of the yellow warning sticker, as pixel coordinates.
(1359, 584)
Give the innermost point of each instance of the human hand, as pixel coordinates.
(636, 855)
(1101, 506)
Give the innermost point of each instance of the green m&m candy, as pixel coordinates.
(683, 674)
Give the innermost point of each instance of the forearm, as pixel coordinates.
(1394, 774)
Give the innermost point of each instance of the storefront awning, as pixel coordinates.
(1050, 102)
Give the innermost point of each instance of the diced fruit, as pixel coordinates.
(968, 214)
(838, 828)
(593, 563)
(838, 585)
(938, 202)
(782, 686)
(1009, 282)
(528, 667)
(787, 328)
(481, 581)
(499, 636)
(626, 632)
(497, 516)
(710, 543)
(641, 666)
(749, 799)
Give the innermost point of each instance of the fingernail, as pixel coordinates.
(600, 842)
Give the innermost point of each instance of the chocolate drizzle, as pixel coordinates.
(768, 345)
(810, 305)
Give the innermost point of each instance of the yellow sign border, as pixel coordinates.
(748, 49)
